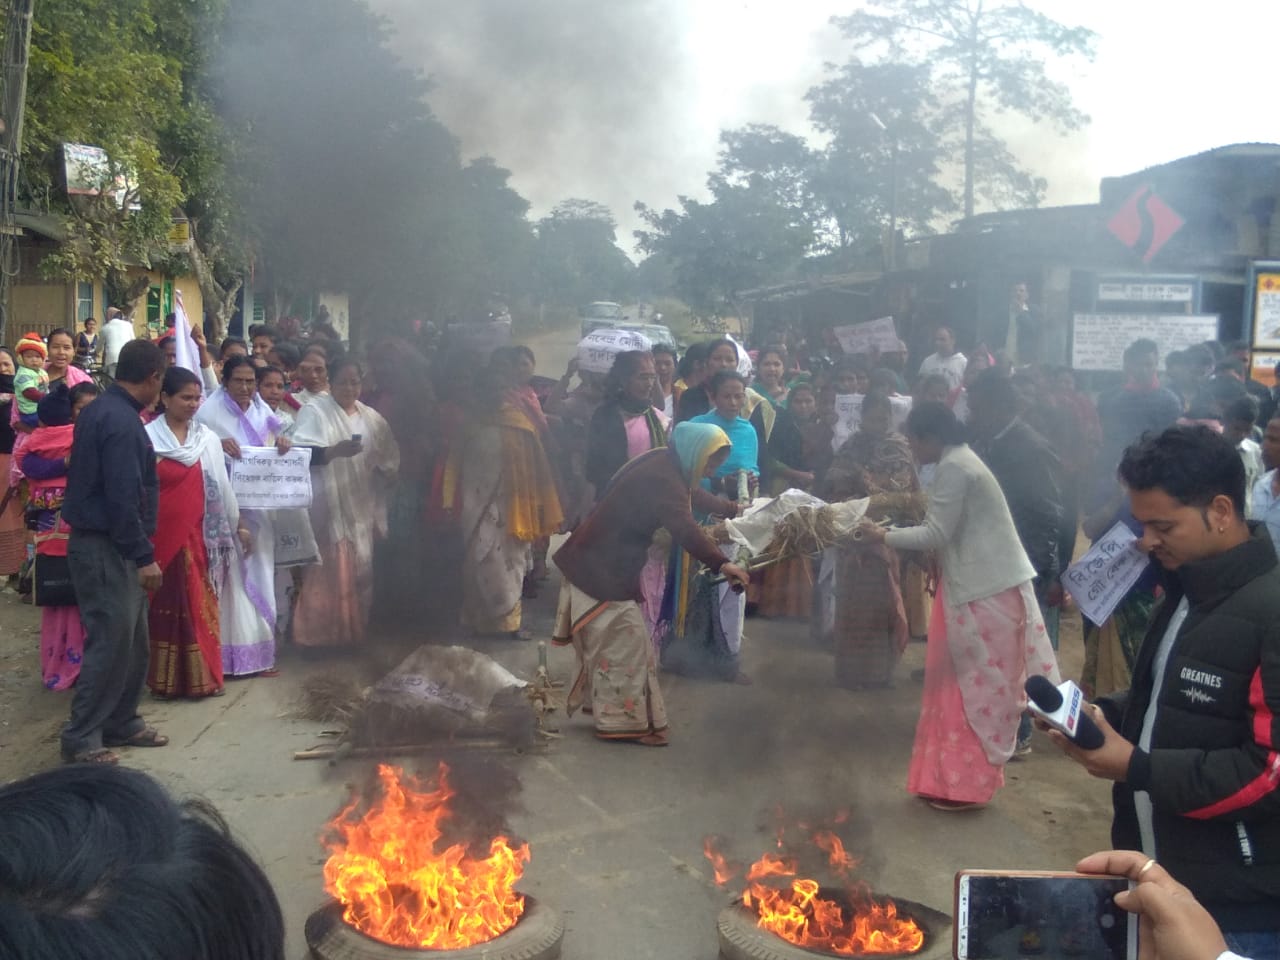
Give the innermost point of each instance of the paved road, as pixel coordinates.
(615, 829)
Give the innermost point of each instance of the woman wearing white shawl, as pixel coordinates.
(354, 461)
(197, 527)
(238, 416)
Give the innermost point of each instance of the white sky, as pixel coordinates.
(1170, 78)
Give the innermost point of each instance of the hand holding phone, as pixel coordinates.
(1054, 916)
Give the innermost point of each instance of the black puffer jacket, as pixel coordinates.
(1213, 772)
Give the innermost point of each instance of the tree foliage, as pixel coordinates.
(577, 257)
(982, 57)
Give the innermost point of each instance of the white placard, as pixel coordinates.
(1100, 579)
(1148, 292)
(849, 416)
(879, 335)
(264, 479)
(598, 348)
(480, 338)
(1098, 340)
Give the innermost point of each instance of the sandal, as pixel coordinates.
(953, 806)
(271, 672)
(100, 755)
(146, 737)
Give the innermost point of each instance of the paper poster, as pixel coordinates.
(849, 416)
(1266, 312)
(598, 348)
(1102, 577)
(1098, 340)
(266, 480)
(879, 335)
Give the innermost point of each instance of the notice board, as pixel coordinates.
(1098, 340)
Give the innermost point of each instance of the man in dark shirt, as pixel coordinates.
(1141, 406)
(111, 507)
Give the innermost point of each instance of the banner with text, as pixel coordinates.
(1100, 579)
(879, 335)
(1098, 340)
(266, 480)
(849, 416)
(598, 348)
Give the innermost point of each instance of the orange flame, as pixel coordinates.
(398, 888)
(797, 913)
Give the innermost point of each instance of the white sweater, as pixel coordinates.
(969, 526)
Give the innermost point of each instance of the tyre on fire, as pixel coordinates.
(742, 939)
(537, 936)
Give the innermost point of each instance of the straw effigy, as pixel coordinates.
(810, 530)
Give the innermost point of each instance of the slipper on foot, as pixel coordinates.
(146, 737)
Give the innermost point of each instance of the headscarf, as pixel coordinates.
(694, 444)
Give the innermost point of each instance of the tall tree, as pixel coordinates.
(983, 55)
(578, 258)
(870, 174)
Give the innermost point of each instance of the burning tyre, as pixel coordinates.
(405, 882)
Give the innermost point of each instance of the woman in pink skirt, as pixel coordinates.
(985, 631)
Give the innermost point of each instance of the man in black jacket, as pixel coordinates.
(111, 508)
(1192, 745)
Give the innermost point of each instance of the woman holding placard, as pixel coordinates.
(354, 462)
(240, 418)
(197, 534)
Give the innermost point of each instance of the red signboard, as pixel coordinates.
(1145, 223)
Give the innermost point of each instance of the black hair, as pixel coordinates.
(232, 364)
(696, 354)
(139, 361)
(992, 389)
(340, 363)
(99, 860)
(935, 421)
(1230, 366)
(1215, 348)
(266, 330)
(723, 341)
(1141, 348)
(176, 378)
(933, 379)
(230, 342)
(1245, 408)
(264, 372)
(625, 364)
(63, 331)
(520, 350)
(777, 350)
(668, 348)
(1226, 389)
(722, 377)
(1199, 356)
(878, 399)
(164, 341)
(1177, 358)
(1235, 346)
(287, 352)
(322, 347)
(1191, 464)
(86, 389)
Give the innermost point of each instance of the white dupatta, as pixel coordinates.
(352, 491)
(221, 512)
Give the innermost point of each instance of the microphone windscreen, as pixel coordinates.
(1043, 693)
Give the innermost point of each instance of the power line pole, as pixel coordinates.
(13, 99)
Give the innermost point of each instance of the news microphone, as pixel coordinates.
(1062, 707)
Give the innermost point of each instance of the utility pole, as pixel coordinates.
(13, 99)
(891, 251)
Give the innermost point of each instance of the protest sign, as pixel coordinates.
(1098, 340)
(1102, 577)
(479, 338)
(599, 347)
(879, 335)
(849, 416)
(266, 480)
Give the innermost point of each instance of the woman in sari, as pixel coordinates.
(199, 538)
(45, 458)
(601, 561)
(354, 461)
(13, 531)
(247, 605)
(501, 486)
(623, 427)
(985, 634)
(706, 619)
(771, 375)
(868, 624)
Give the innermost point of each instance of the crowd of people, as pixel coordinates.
(150, 575)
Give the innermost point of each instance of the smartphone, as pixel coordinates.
(1043, 916)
